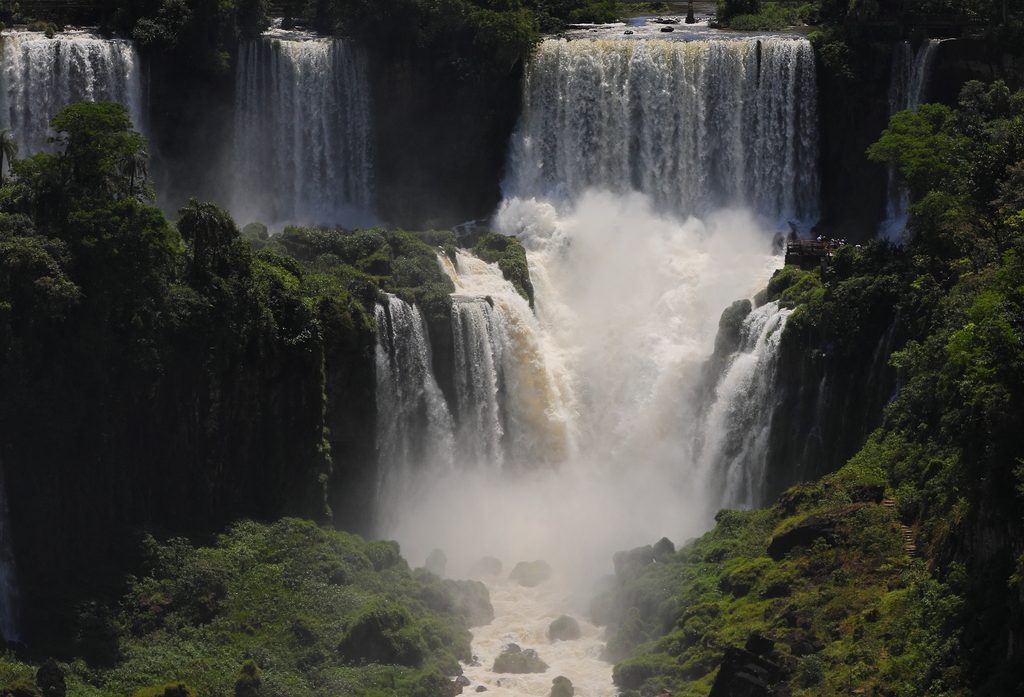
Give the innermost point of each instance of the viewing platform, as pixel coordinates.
(810, 254)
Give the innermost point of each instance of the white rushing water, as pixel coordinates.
(641, 178)
(522, 616)
(696, 125)
(41, 76)
(734, 436)
(908, 84)
(303, 148)
(414, 427)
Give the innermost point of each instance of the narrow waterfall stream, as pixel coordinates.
(908, 85)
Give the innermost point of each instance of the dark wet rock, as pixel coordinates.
(481, 688)
(562, 687)
(663, 549)
(471, 600)
(516, 660)
(50, 679)
(730, 328)
(531, 573)
(668, 29)
(462, 680)
(628, 32)
(745, 674)
(437, 562)
(487, 566)
(821, 526)
(565, 628)
(778, 589)
(628, 563)
(867, 493)
(759, 644)
(468, 599)
(803, 643)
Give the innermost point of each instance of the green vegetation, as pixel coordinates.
(197, 374)
(287, 609)
(510, 257)
(850, 20)
(819, 589)
(837, 613)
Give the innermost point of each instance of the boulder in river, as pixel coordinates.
(437, 561)
(516, 660)
(487, 566)
(565, 628)
(531, 573)
(562, 687)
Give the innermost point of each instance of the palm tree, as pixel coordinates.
(8, 149)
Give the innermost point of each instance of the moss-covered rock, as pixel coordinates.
(510, 257)
(531, 573)
(562, 687)
(514, 659)
(564, 628)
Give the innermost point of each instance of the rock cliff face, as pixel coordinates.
(441, 144)
(213, 433)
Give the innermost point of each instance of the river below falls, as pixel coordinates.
(522, 616)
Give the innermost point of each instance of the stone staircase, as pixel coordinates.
(906, 532)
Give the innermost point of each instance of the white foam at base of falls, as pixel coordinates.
(626, 313)
(522, 616)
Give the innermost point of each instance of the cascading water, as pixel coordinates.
(510, 403)
(41, 76)
(696, 125)
(908, 85)
(303, 132)
(738, 423)
(414, 429)
(579, 428)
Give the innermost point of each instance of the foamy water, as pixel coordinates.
(522, 616)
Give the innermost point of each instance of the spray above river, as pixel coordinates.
(646, 182)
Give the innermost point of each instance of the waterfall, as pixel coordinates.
(41, 76)
(479, 348)
(8, 580)
(737, 426)
(303, 132)
(510, 400)
(908, 85)
(414, 426)
(695, 125)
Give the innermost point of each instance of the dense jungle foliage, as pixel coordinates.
(902, 573)
(287, 610)
(195, 374)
